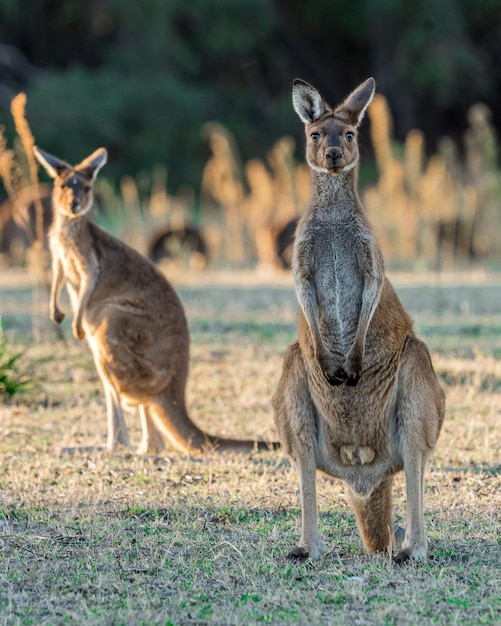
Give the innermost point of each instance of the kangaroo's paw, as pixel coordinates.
(298, 555)
(353, 369)
(351, 381)
(57, 316)
(336, 377)
(78, 331)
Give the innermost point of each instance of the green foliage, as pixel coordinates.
(141, 124)
(12, 381)
(171, 69)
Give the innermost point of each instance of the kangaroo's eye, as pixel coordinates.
(349, 136)
(86, 188)
(315, 136)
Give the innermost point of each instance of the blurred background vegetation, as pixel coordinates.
(192, 101)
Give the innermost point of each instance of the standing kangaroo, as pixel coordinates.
(358, 397)
(130, 315)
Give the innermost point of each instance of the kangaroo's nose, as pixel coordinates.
(332, 155)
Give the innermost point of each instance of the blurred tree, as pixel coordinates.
(142, 78)
(431, 59)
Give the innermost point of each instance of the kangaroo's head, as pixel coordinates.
(331, 134)
(73, 193)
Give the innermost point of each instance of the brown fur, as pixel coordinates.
(130, 315)
(358, 397)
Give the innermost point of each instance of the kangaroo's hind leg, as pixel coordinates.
(295, 418)
(152, 440)
(420, 412)
(374, 515)
(117, 430)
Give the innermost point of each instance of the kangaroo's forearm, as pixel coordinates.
(307, 297)
(370, 299)
(57, 283)
(87, 286)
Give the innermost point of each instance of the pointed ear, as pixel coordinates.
(307, 101)
(354, 107)
(93, 163)
(52, 164)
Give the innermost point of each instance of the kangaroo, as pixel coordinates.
(130, 315)
(358, 397)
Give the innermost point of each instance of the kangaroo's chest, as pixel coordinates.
(339, 280)
(336, 261)
(76, 256)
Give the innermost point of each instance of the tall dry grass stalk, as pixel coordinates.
(244, 208)
(388, 202)
(381, 131)
(37, 256)
(483, 172)
(222, 197)
(166, 210)
(18, 110)
(436, 211)
(413, 160)
(280, 181)
(9, 171)
(143, 210)
(159, 201)
(258, 209)
(133, 225)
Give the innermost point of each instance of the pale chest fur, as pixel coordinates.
(71, 244)
(335, 255)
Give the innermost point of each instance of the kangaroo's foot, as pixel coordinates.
(298, 555)
(410, 551)
(312, 549)
(404, 557)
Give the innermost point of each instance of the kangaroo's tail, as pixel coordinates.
(170, 418)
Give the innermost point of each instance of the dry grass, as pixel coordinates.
(121, 539)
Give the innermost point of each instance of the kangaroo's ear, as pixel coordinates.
(52, 164)
(354, 107)
(307, 101)
(93, 163)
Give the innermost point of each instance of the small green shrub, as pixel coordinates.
(12, 380)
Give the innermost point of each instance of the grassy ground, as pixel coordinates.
(121, 539)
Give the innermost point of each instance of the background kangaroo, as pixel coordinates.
(130, 315)
(358, 397)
